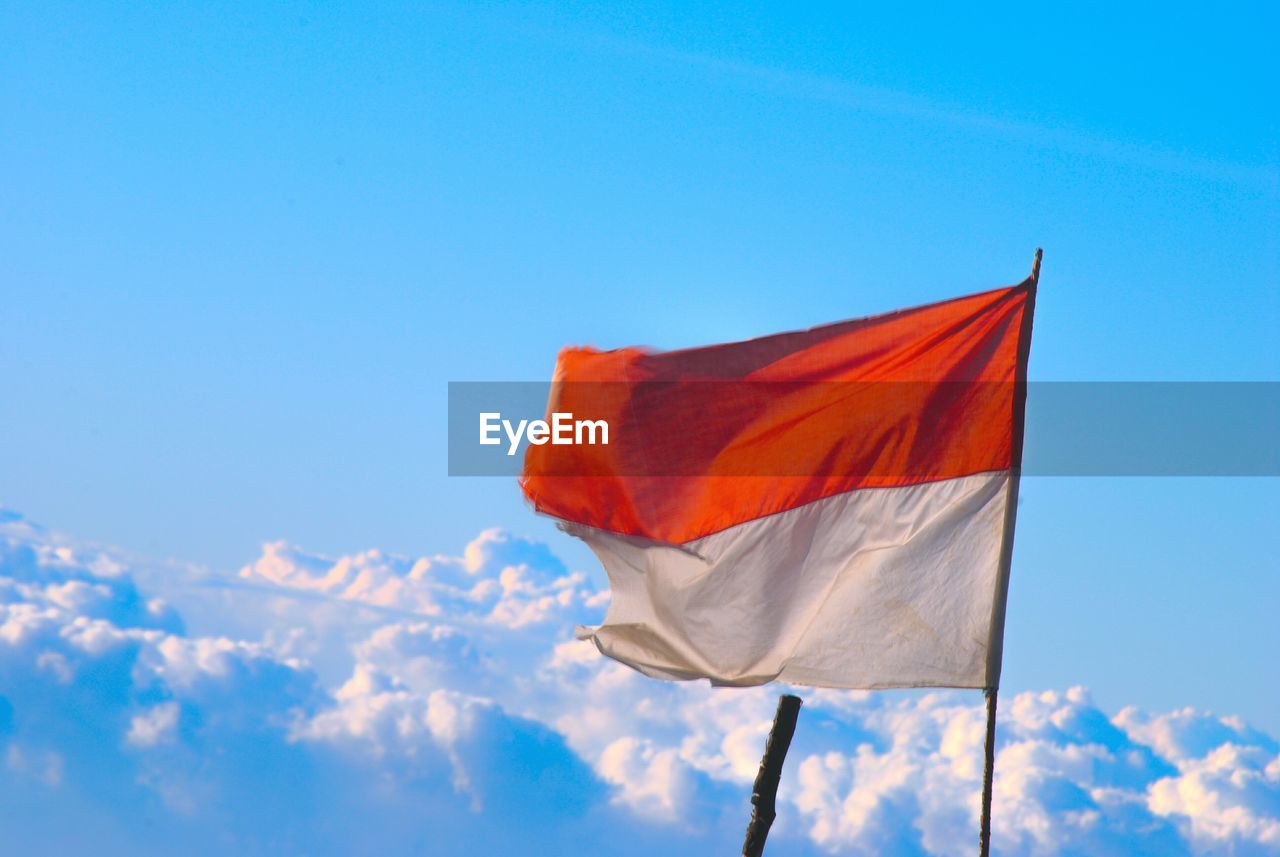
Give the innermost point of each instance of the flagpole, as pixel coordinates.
(988, 771)
(765, 791)
(991, 693)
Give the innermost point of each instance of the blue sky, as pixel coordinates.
(245, 250)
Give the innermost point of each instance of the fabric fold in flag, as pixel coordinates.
(832, 507)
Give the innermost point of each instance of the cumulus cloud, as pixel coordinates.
(153, 726)
(439, 704)
(507, 582)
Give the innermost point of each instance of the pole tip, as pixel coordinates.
(1035, 265)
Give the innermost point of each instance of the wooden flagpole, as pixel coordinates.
(988, 771)
(989, 746)
(765, 791)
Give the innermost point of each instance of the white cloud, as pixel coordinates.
(154, 726)
(1229, 797)
(651, 780)
(363, 703)
(498, 579)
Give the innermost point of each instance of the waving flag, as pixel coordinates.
(833, 507)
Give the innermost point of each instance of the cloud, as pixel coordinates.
(153, 726)
(1226, 786)
(503, 581)
(440, 705)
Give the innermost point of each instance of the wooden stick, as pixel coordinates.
(988, 769)
(765, 791)
(989, 747)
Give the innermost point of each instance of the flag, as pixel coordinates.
(831, 507)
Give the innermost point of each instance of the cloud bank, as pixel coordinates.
(440, 705)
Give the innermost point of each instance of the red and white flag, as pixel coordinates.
(833, 507)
